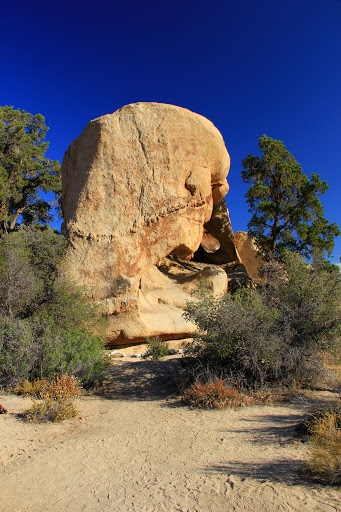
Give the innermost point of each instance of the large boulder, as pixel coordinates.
(139, 186)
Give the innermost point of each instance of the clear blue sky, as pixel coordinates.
(270, 67)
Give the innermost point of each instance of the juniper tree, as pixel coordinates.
(284, 202)
(25, 171)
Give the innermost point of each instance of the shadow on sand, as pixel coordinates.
(290, 472)
(142, 380)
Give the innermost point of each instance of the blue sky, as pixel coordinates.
(250, 67)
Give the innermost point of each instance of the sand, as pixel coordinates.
(138, 449)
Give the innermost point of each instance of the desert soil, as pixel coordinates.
(138, 449)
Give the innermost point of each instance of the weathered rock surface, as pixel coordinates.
(249, 254)
(139, 185)
(219, 228)
(163, 294)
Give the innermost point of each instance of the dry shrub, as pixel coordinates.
(64, 387)
(60, 387)
(55, 398)
(324, 463)
(37, 388)
(214, 395)
(50, 410)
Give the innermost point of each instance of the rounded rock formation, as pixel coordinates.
(139, 185)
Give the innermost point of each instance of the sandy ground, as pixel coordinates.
(138, 449)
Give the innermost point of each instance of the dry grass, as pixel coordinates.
(36, 388)
(324, 463)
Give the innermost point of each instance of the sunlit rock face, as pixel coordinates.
(140, 186)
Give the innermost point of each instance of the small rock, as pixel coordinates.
(3, 410)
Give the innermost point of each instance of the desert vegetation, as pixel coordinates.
(52, 399)
(324, 463)
(215, 394)
(46, 326)
(157, 349)
(275, 334)
(259, 340)
(59, 387)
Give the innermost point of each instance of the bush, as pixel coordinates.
(60, 387)
(157, 349)
(29, 261)
(74, 351)
(274, 334)
(16, 351)
(55, 398)
(214, 395)
(239, 341)
(47, 326)
(324, 463)
(38, 347)
(50, 410)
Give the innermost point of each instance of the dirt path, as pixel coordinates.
(137, 449)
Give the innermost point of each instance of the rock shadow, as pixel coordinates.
(142, 380)
(271, 430)
(277, 430)
(290, 472)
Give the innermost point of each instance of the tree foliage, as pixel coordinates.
(24, 169)
(285, 206)
(29, 262)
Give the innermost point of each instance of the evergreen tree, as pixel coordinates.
(24, 169)
(285, 206)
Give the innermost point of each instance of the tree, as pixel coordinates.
(285, 206)
(24, 170)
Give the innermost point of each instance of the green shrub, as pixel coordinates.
(239, 341)
(47, 326)
(74, 351)
(17, 350)
(157, 349)
(274, 334)
(37, 347)
(29, 261)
